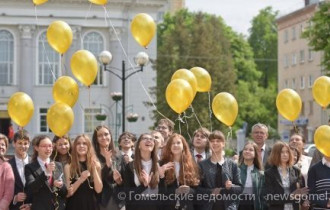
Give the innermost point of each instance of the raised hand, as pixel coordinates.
(84, 175)
(50, 167)
(117, 177)
(58, 183)
(183, 189)
(164, 168)
(20, 197)
(228, 184)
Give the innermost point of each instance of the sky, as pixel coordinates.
(239, 13)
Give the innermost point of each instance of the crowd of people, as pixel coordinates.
(160, 170)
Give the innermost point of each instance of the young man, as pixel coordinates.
(166, 128)
(21, 143)
(319, 184)
(159, 139)
(219, 176)
(200, 142)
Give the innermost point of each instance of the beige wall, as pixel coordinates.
(298, 67)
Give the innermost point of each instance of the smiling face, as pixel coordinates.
(217, 145)
(45, 148)
(62, 146)
(177, 146)
(147, 143)
(296, 141)
(3, 147)
(259, 135)
(126, 142)
(81, 146)
(248, 152)
(103, 137)
(21, 147)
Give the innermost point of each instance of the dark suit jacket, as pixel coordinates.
(37, 186)
(274, 186)
(19, 187)
(267, 152)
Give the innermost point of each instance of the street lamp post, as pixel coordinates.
(141, 60)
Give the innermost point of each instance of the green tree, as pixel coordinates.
(318, 33)
(186, 40)
(263, 40)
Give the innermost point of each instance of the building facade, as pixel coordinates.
(30, 65)
(298, 68)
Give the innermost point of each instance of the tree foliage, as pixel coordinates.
(263, 40)
(319, 33)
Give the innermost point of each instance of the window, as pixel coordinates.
(301, 29)
(90, 119)
(293, 33)
(286, 36)
(294, 59)
(94, 43)
(302, 82)
(310, 107)
(303, 108)
(310, 54)
(43, 121)
(48, 62)
(302, 56)
(293, 83)
(286, 61)
(310, 81)
(6, 57)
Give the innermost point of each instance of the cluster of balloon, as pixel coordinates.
(60, 118)
(84, 66)
(321, 91)
(143, 29)
(66, 90)
(20, 108)
(203, 79)
(225, 108)
(59, 36)
(288, 103)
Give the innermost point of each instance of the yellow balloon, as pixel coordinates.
(143, 29)
(66, 90)
(321, 91)
(179, 95)
(188, 76)
(59, 36)
(60, 118)
(322, 139)
(225, 108)
(38, 2)
(288, 103)
(20, 108)
(84, 66)
(203, 79)
(99, 2)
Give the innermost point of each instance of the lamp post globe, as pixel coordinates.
(141, 59)
(105, 57)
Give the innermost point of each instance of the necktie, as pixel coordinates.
(50, 179)
(218, 176)
(199, 157)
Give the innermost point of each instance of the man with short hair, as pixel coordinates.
(200, 142)
(21, 143)
(260, 135)
(165, 127)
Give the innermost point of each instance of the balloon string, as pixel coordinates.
(193, 111)
(210, 110)
(187, 126)
(295, 128)
(62, 64)
(180, 121)
(43, 46)
(85, 21)
(229, 135)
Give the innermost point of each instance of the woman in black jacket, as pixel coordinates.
(283, 182)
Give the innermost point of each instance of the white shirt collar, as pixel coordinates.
(203, 154)
(325, 162)
(220, 162)
(42, 163)
(19, 160)
(128, 153)
(263, 147)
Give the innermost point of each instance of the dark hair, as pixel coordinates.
(167, 122)
(217, 135)
(35, 142)
(129, 135)
(138, 165)
(275, 155)
(256, 160)
(295, 149)
(301, 135)
(96, 143)
(206, 133)
(55, 153)
(21, 134)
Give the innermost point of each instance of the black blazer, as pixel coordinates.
(37, 186)
(267, 152)
(274, 186)
(19, 187)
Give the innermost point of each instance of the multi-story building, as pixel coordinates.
(29, 64)
(298, 67)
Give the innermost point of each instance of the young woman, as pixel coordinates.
(141, 176)
(7, 179)
(83, 176)
(252, 177)
(178, 172)
(62, 150)
(106, 153)
(283, 179)
(44, 177)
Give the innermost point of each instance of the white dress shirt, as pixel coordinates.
(20, 164)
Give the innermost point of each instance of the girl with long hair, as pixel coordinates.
(141, 176)
(83, 176)
(178, 172)
(283, 179)
(62, 150)
(252, 177)
(44, 182)
(106, 153)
